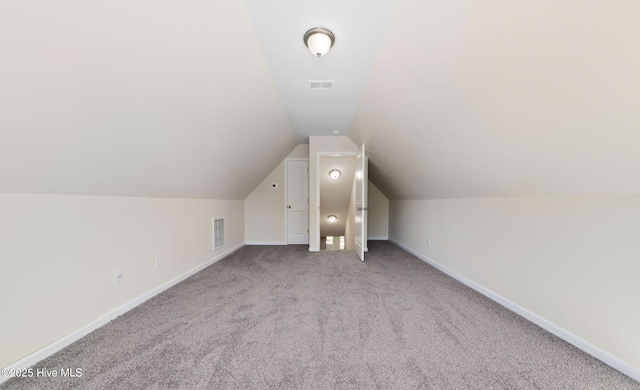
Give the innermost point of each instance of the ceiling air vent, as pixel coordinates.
(321, 85)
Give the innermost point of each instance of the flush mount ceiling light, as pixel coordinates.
(334, 173)
(332, 218)
(319, 40)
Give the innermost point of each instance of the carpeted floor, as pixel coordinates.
(281, 317)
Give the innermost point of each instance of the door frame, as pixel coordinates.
(363, 188)
(317, 205)
(286, 195)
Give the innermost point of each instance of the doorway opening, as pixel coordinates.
(337, 202)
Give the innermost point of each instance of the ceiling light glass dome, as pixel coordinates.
(319, 40)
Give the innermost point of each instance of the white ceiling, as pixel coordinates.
(335, 194)
(203, 99)
(359, 27)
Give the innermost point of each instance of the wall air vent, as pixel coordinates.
(321, 85)
(218, 233)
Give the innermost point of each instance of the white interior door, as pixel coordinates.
(361, 203)
(298, 202)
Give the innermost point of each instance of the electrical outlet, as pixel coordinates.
(158, 261)
(428, 242)
(119, 276)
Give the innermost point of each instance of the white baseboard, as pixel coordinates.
(564, 334)
(104, 319)
(378, 238)
(266, 243)
(314, 249)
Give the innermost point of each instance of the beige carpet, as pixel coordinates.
(280, 317)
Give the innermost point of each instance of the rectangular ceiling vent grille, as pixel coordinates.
(218, 233)
(321, 85)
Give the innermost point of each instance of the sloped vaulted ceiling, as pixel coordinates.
(136, 98)
(203, 98)
(505, 98)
